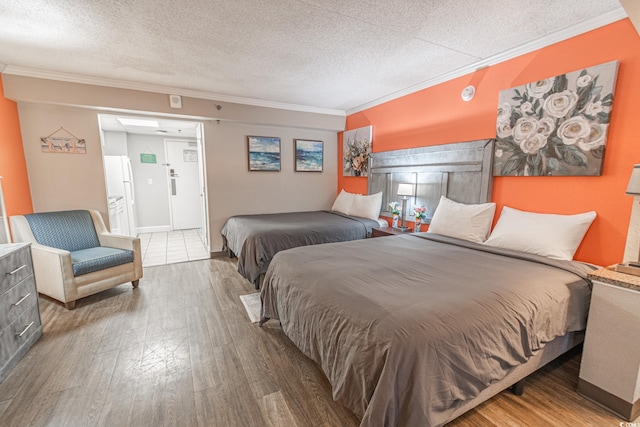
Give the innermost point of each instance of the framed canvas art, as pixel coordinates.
(356, 145)
(309, 155)
(556, 126)
(264, 153)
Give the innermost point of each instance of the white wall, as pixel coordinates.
(69, 181)
(115, 143)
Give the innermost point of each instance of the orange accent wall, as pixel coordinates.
(13, 167)
(438, 115)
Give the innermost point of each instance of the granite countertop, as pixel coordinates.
(610, 276)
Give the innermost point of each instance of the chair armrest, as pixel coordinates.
(53, 270)
(117, 241)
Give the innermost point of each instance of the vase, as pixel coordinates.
(418, 223)
(394, 221)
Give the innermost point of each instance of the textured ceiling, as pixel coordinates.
(331, 54)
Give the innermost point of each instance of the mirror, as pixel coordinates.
(5, 237)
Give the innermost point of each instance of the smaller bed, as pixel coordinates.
(255, 239)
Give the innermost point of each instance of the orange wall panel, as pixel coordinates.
(13, 167)
(438, 115)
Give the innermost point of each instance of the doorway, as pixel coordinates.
(169, 212)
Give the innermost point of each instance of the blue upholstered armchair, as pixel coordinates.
(74, 255)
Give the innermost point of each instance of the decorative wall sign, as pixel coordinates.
(264, 153)
(309, 155)
(556, 126)
(356, 145)
(63, 144)
(148, 158)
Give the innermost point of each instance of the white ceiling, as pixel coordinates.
(325, 54)
(166, 127)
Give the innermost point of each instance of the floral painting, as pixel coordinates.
(556, 126)
(356, 146)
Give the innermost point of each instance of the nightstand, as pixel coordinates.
(387, 231)
(610, 357)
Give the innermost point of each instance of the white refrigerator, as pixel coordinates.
(120, 195)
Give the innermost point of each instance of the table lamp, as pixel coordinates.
(404, 190)
(631, 263)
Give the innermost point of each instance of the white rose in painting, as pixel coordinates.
(559, 104)
(526, 107)
(533, 144)
(499, 152)
(539, 88)
(504, 112)
(584, 81)
(596, 137)
(503, 130)
(593, 108)
(574, 130)
(546, 126)
(525, 128)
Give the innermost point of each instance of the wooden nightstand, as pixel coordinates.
(387, 231)
(610, 357)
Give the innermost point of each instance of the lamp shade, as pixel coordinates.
(405, 190)
(633, 188)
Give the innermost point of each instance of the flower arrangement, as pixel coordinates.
(420, 212)
(555, 126)
(394, 208)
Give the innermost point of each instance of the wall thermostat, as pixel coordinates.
(175, 101)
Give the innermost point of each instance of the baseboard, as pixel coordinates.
(154, 229)
(627, 410)
(219, 254)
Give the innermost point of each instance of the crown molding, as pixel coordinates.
(564, 34)
(145, 87)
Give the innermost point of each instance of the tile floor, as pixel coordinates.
(171, 247)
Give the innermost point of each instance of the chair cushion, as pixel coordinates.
(93, 259)
(68, 230)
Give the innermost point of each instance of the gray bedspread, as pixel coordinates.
(255, 239)
(409, 327)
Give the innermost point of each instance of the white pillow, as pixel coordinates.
(367, 206)
(462, 221)
(343, 202)
(550, 235)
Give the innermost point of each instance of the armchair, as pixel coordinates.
(74, 255)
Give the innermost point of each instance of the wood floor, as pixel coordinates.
(180, 351)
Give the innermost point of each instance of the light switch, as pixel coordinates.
(150, 181)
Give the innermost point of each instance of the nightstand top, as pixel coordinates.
(610, 276)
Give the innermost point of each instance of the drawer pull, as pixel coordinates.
(11, 273)
(24, 331)
(22, 299)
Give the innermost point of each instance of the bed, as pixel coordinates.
(417, 329)
(255, 239)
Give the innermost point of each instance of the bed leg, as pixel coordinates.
(518, 388)
(263, 321)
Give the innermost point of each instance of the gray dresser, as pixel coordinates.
(20, 325)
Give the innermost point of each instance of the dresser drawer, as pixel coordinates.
(18, 332)
(14, 268)
(17, 300)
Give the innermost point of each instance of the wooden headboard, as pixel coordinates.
(460, 171)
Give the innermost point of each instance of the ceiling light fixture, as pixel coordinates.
(138, 122)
